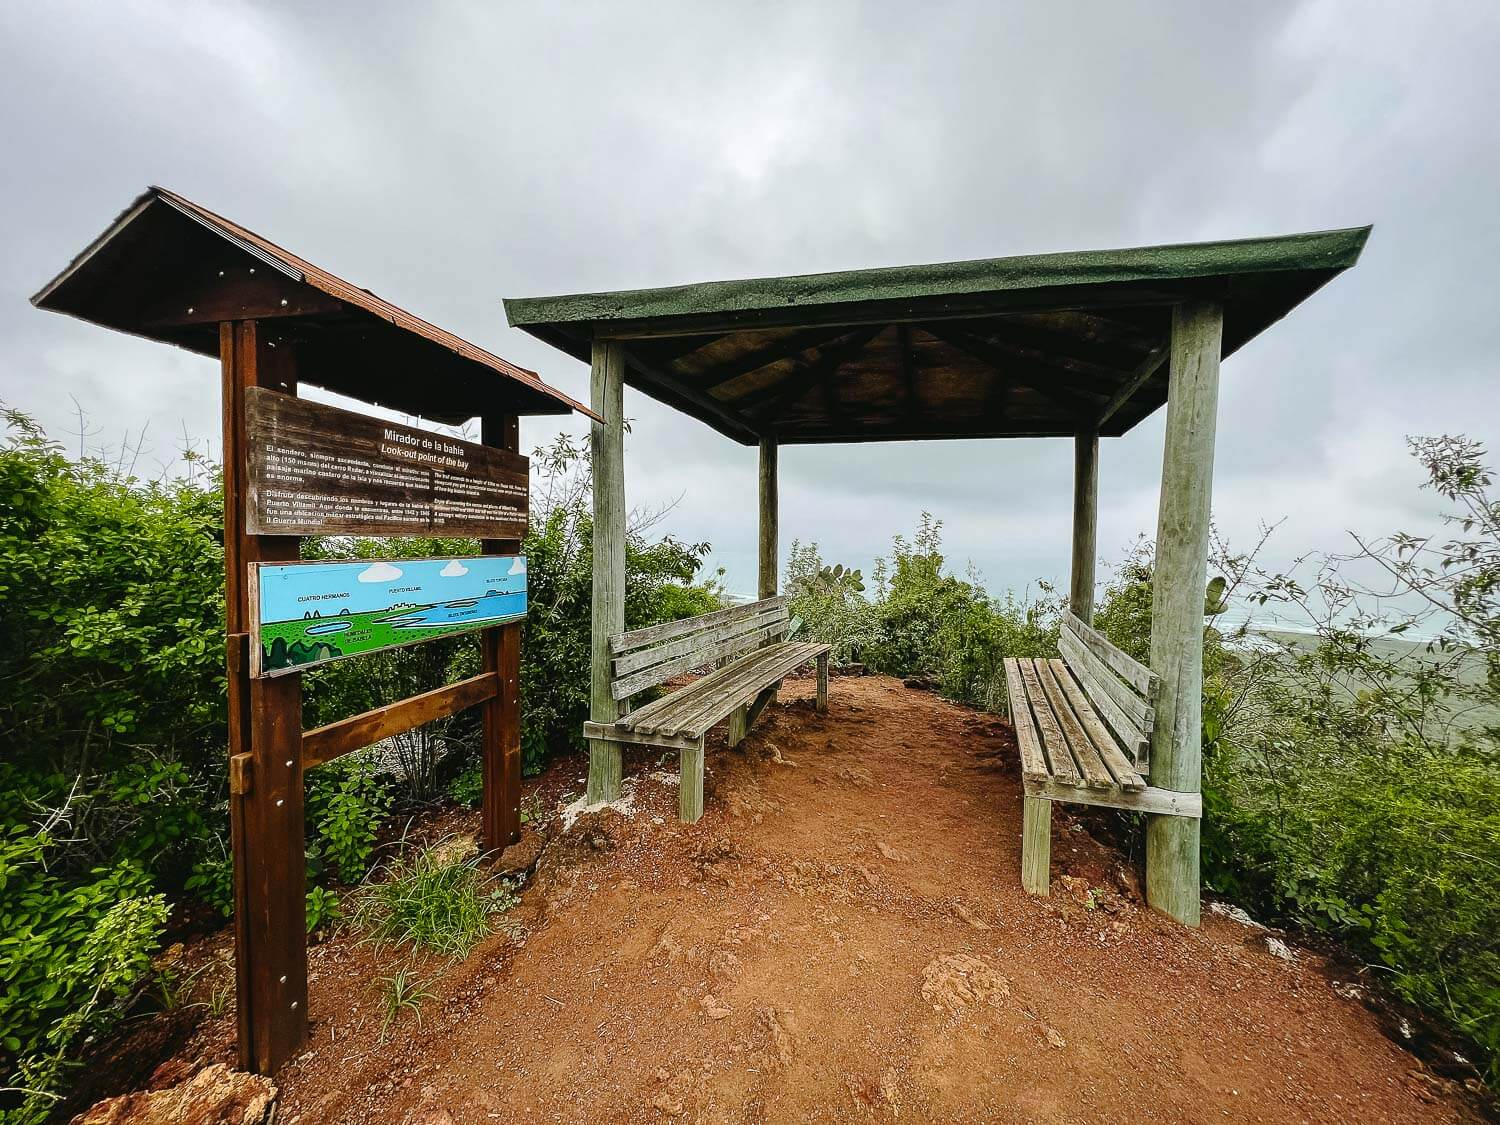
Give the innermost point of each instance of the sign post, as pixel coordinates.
(175, 272)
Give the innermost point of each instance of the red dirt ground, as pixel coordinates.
(843, 937)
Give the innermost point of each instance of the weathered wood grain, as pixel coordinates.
(325, 743)
(314, 469)
(653, 634)
(1182, 532)
(1085, 523)
(607, 449)
(1132, 671)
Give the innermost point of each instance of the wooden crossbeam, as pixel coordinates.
(1055, 384)
(1143, 371)
(674, 392)
(776, 350)
(325, 743)
(767, 399)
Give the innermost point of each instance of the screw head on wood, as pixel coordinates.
(283, 302)
(190, 310)
(279, 802)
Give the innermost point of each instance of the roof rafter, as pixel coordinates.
(800, 381)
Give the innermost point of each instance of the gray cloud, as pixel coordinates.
(450, 155)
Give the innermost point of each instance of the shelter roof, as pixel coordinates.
(171, 270)
(1037, 345)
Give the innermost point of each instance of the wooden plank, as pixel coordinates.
(700, 705)
(607, 450)
(314, 469)
(1102, 682)
(762, 701)
(1162, 802)
(1090, 766)
(699, 640)
(667, 630)
(1059, 761)
(821, 701)
(627, 686)
(769, 559)
(1130, 735)
(325, 743)
(1085, 524)
(613, 733)
(1120, 767)
(1033, 761)
(1122, 664)
(1182, 539)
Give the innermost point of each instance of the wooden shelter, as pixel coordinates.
(173, 271)
(1081, 345)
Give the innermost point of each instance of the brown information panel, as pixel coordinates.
(319, 470)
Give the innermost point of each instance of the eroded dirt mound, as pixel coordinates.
(843, 937)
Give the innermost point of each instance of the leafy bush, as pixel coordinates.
(346, 803)
(830, 602)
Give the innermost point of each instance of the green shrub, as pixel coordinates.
(346, 803)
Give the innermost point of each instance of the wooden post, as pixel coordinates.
(1036, 845)
(607, 445)
(265, 750)
(690, 784)
(769, 516)
(1085, 524)
(501, 651)
(1172, 876)
(822, 698)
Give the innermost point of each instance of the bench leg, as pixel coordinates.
(1036, 845)
(739, 725)
(690, 784)
(604, 771)
(823, 682)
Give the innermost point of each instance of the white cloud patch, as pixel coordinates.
(518, 567)
(454, 569)
(380, 572)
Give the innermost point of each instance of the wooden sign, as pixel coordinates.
(318, 470)
(312, 612)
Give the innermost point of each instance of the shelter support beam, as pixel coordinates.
(769, 518)
(1172, 861)
(265, 740)
(607, 445)
(1085, 524)
(500, 650)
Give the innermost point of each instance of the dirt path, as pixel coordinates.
(843, 937)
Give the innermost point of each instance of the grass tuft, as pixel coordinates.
(435, 898)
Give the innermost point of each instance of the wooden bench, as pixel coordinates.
(750, 643)
(1083, 724)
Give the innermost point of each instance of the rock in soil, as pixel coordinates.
(215, 1095)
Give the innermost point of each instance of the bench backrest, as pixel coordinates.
(1121, 688)
(644, 658)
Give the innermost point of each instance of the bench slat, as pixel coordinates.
(668, 630)
(1033, 763)
(737, 686)
(627, 686)
(685, 646)
(1120, 767)
(1149, 800)
(1110, 694)
(1059, 759)
(685, 701)
(1090, 765)
(1129, 669)
(695, 708)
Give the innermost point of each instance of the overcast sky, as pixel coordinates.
(446, 156)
